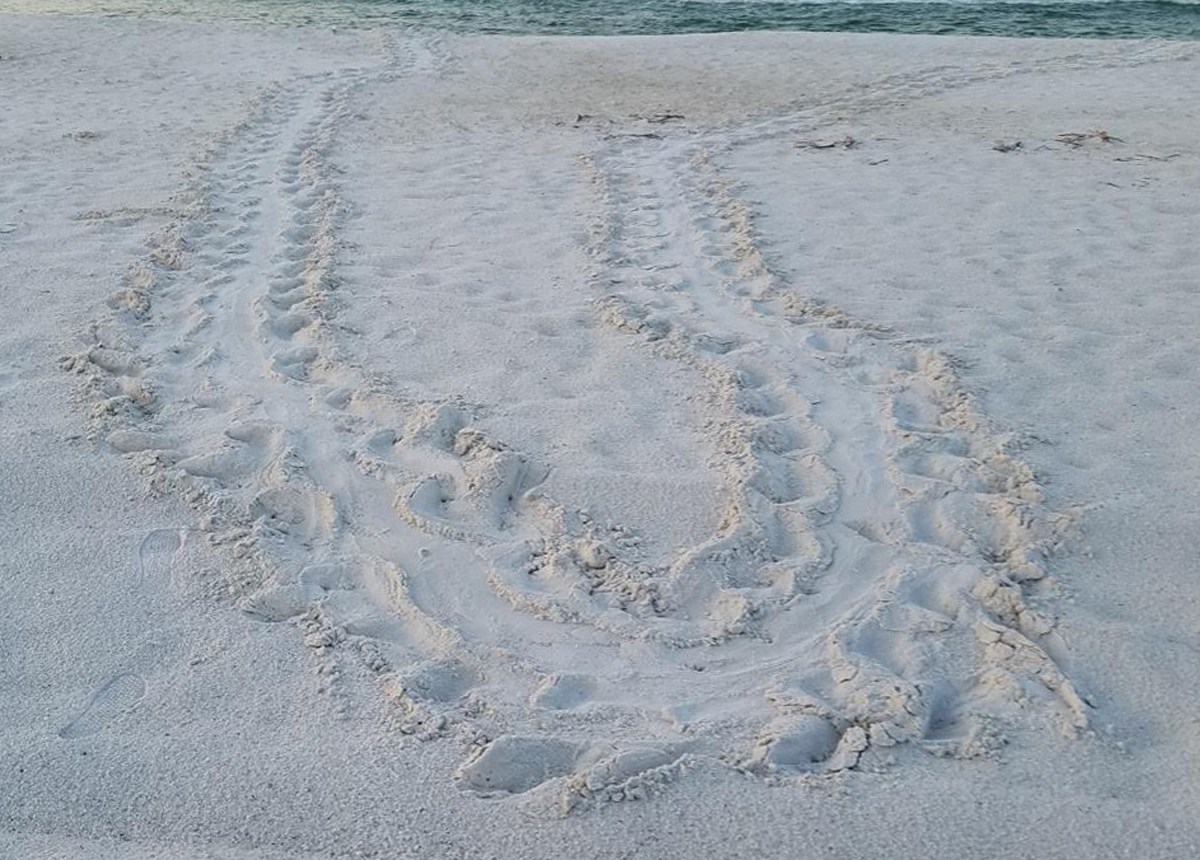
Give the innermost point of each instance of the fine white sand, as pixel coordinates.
(707, 446)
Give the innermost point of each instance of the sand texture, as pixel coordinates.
(759, 445)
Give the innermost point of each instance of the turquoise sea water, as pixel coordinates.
(1169, 18)
(1069, 18)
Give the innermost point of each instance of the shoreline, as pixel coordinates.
(1071, 20)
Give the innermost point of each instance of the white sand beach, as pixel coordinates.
(757, 445)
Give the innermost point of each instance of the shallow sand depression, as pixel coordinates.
(499, 430)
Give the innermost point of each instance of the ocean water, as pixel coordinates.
(1179, 19)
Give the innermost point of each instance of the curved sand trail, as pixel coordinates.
(863, 587)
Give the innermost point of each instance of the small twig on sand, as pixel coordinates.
(1077, 139)
(843, 143)
(1148, 157)
(1007, 146)
(663, 117)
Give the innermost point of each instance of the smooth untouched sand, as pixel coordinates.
(687, 446)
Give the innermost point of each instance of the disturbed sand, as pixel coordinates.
(723, 445)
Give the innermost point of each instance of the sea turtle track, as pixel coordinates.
(867, 583)
(857, 464)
